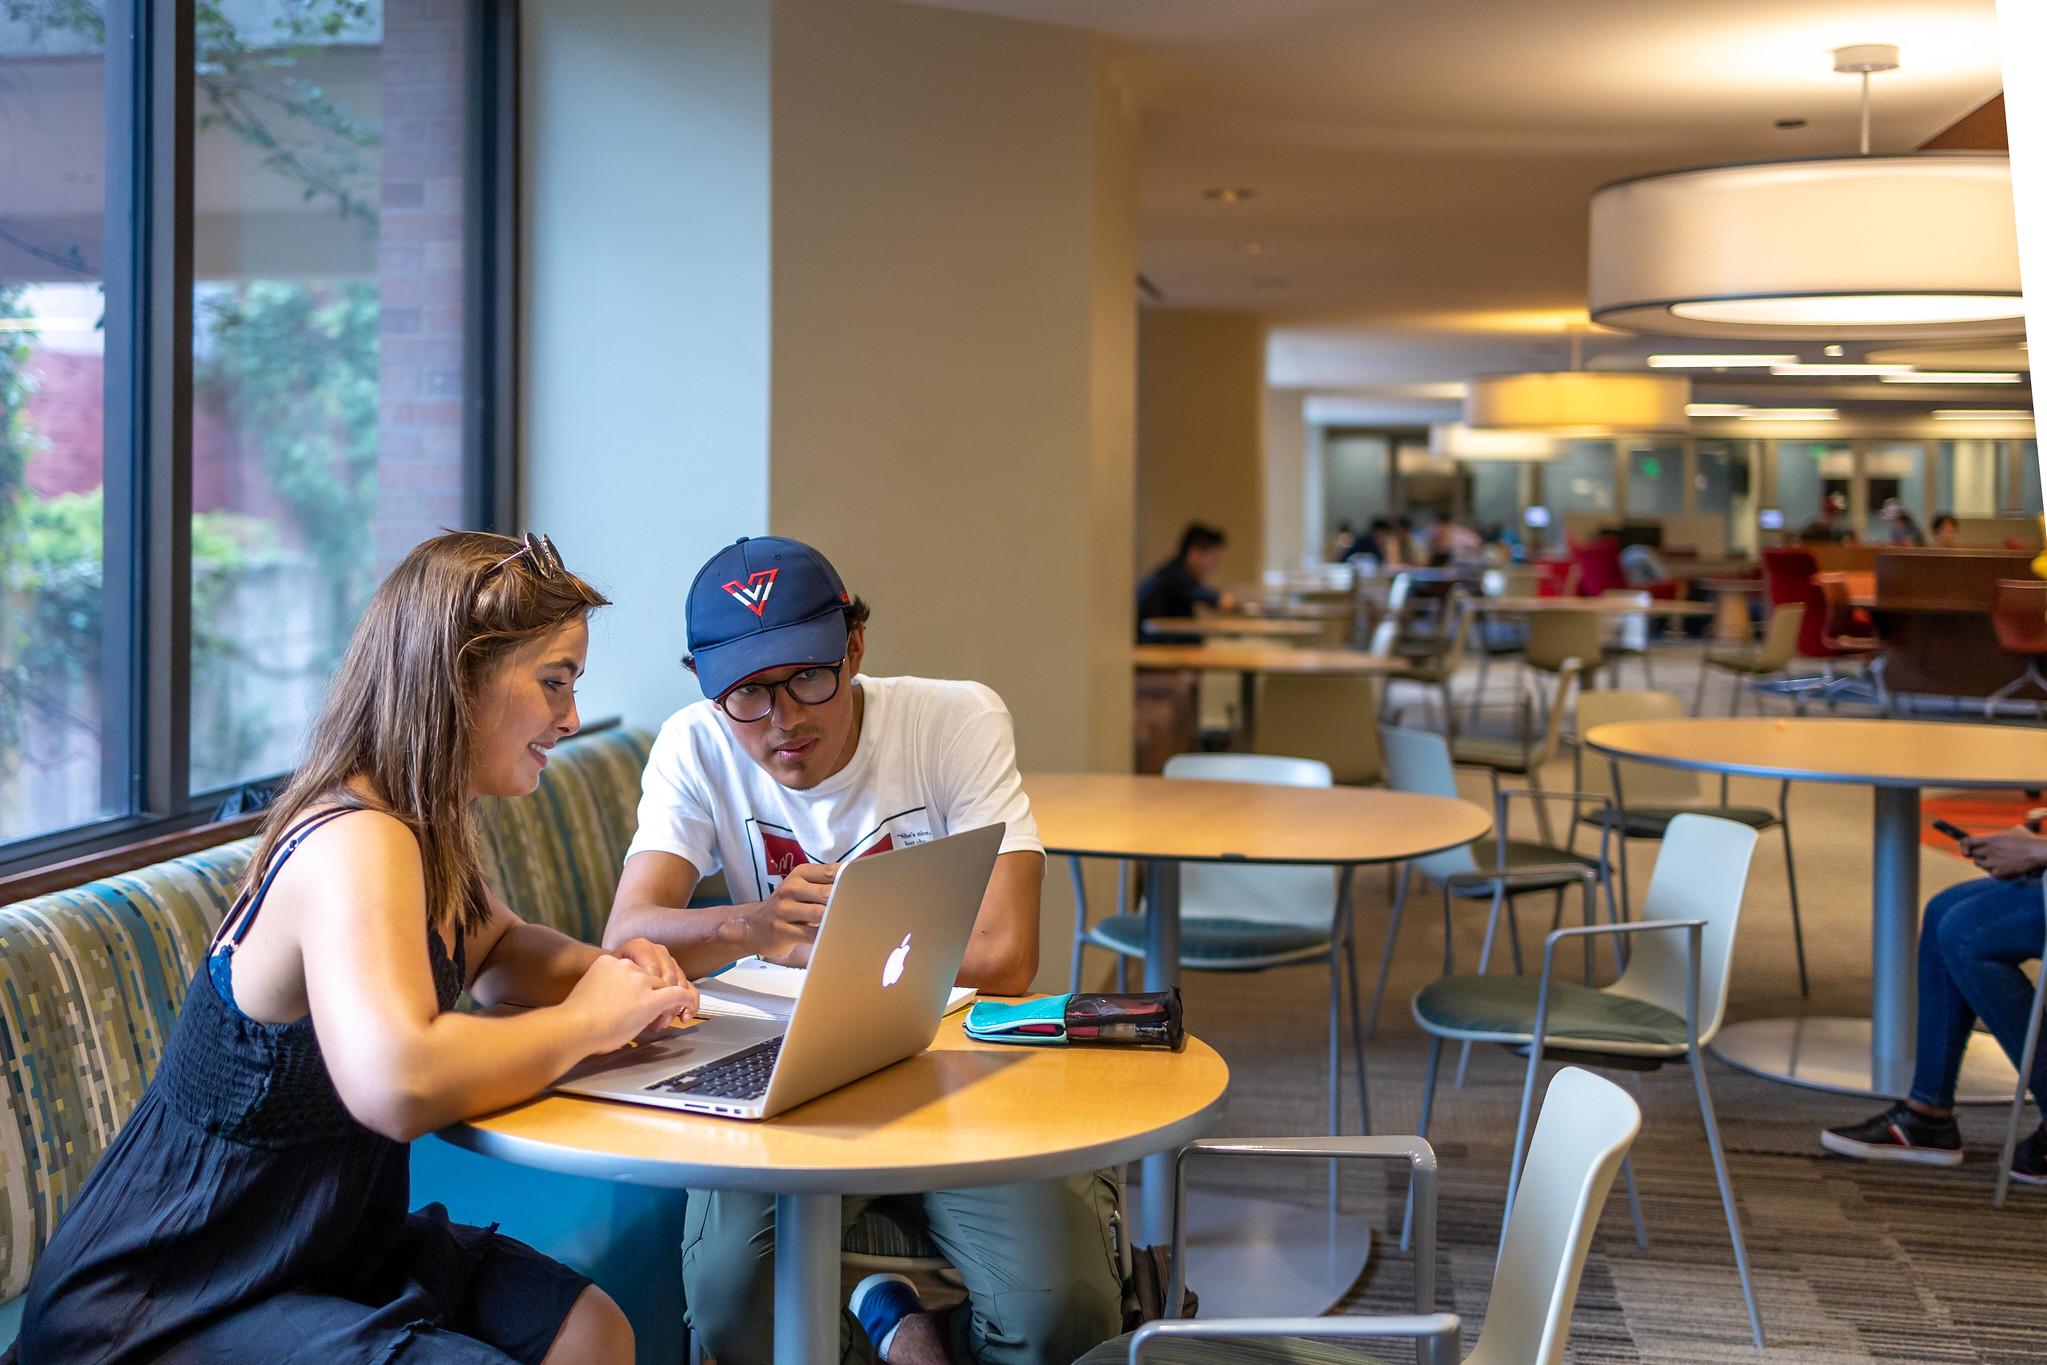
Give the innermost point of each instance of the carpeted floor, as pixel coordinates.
(1853, 1262)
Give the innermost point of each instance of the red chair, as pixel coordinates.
(2018, 613)
(1790, 575)
(1598, 571)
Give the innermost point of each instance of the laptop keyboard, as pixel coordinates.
(742, 1076)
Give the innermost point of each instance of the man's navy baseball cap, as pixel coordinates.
(760, 603)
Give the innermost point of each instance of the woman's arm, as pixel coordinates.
(516, 963)
(356, 896)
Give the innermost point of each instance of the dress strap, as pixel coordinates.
(236, 926)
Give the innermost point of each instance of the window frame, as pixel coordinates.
(146, 549)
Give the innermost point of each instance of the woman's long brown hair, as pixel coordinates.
(395, 731)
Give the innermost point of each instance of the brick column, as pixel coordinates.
(419, 276)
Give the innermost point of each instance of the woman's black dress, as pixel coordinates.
(243, 1216)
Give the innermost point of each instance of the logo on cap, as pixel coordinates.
(753, 593)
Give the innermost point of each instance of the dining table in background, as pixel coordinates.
(957, 1115)
(1897, 758)
(1265, 627)
(1250, 660)
(1163, 822)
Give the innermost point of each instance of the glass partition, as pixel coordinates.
(53, 240)
(1656, 479)
(1354, 481)
(327, 346)
(1725, 486)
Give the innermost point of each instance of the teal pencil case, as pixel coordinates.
(1147, 1020)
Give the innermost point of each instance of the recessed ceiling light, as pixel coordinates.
(1982, 414)
(1790, 415)
(1953, 377)
(1226, 195)
(1840, 369)
(1718, 362)
(1834, 350)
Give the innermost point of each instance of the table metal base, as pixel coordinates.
(807, 1238)
(1253, 1258)
(1834, 1054)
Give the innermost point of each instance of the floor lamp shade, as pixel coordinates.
(1844, 248)
(1591, 402)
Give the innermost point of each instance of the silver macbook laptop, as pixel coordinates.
(894, 932)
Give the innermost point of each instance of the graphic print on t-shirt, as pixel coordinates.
(776, 848)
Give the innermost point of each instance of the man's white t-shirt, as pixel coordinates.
(934, 758)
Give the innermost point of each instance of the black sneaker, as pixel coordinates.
(2029, 1158)
(1902, 1134)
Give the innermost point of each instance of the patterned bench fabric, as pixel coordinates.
(91, 981)
(555, 856)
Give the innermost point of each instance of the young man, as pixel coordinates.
(797, 765)
(1973, 939)
(1176, 585)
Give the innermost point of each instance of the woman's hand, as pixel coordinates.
(658, 962)
(620, 1001)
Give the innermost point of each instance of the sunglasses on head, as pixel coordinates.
(547, 561)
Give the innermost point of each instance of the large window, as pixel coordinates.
(251, 339)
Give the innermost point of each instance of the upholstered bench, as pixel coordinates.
(91, 981)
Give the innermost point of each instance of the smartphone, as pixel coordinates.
(1952, 831)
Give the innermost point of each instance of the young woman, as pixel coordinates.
(254, 1207)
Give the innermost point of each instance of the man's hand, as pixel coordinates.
(657, 962)
(2008, 854)
(786, 920)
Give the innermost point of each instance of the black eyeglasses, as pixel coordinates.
(547, 561)
(754, 701)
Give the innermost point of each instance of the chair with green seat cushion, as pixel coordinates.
(1646, 797)
(1666, 1006)
(1419, 761)
(1524, 755)
(1586, 1127)
(1767, 660)
(1246, 919)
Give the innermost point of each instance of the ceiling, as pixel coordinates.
(1422, 170)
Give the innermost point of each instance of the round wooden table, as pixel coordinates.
(1248, 661)
(1871, 1056)
(960, 1114)
(1605, 606)
(1267, 627)
(1163, 822)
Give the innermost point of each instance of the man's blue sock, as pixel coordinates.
(881, 1302)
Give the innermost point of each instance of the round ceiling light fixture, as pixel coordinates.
(1919, 245)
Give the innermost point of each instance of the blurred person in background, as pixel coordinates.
(1900, 527)
(1945, 530)
(1176, 586)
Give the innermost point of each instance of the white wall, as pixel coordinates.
(646, 139)
(954, 281)
(1288, 536)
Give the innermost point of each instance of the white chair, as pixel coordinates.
(1666, 1006)
(1246, 919)
(1587, 1124)
(1419, 761)
(2018, 1099)
(1647, 795)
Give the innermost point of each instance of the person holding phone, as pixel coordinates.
(1972, 941)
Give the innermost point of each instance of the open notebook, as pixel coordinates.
(753, 989)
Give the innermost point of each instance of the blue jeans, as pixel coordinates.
(1971, 943)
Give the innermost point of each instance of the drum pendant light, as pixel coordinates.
(1579, 402)
(1918, 245)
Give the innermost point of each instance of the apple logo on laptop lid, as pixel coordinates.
(892, 970)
